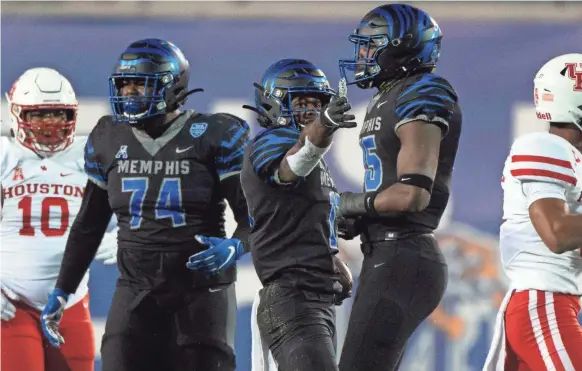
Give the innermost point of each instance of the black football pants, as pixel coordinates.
(400, 284)
(299, 328)
(170, 331)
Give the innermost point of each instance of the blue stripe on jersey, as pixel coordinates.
(269, 146)
(232, 149)
(236, 133)
(429, 95)
(93, 168)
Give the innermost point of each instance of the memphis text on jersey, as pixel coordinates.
(372, 124)
(178, 167)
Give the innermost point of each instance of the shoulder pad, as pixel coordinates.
(426, 97)
(223, 120)
(100, 129)
(232, 117)
(542, 157)
(277, 131)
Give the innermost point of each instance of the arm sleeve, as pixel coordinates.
(430, 98)
(93, 164)
(229, 161)
(268, 149)
(536, 158)
(232, 191)
(231, 147)
(85, 237)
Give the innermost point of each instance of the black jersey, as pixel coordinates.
(293, 232)
(166, 190)
(424, 97)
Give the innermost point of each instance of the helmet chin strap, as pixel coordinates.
(181, 97)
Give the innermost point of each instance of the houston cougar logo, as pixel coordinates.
(574, 74)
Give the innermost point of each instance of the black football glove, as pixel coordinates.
(349, 227)
(334, 115)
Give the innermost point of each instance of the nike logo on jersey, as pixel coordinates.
(214, 290)
(67, 174)
(380, 104)
(178, 150)
(379, 265)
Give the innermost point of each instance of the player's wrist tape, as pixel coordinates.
(417, 180)
(353, 204)
(306, 159)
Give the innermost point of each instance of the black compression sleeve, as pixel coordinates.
(85, 237)
(232, 191)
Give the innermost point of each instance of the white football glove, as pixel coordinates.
(107, 252)
(8, 309)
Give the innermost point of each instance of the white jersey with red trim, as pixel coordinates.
(540, 165)
(40, 200)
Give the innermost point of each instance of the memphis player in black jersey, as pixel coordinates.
(409, 139)
(165, 173)
(293, 201)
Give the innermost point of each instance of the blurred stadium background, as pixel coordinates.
(491, 51)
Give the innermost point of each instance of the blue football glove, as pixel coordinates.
(51, 316)
(221, 254)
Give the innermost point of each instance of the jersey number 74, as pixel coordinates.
(168, 203)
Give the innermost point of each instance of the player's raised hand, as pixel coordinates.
(334, 114)
(8, 309)
(51, 317)
(220, 254)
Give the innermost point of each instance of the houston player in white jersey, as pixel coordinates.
(541, 235)
(42, 182)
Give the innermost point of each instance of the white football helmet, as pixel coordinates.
(43, 111)
(558, 90)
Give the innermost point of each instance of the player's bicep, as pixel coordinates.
(229, 159)
(544, 214)
(269, 150)
(420, 144)
(430, 99)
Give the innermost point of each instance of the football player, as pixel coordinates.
(409, 138)
(541, 236)
(165, 173)
(293, 201)
(42, 186)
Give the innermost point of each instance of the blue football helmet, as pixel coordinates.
(160, 71)
(283, 81)
(391, 41)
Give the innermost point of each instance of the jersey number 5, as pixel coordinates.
(168, 203)
(45, 216)
(372, 163)
(334, 200)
